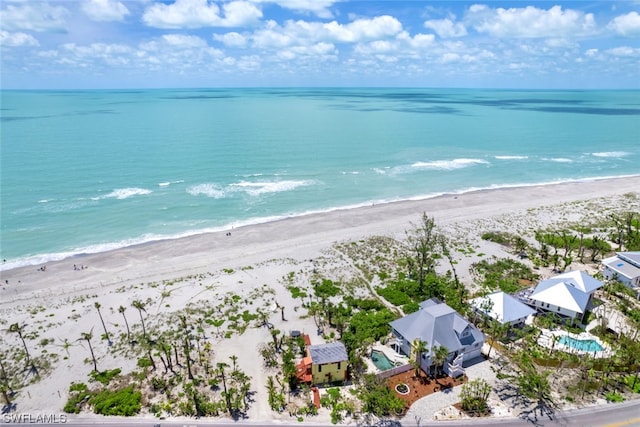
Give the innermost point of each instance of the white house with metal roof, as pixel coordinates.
(437, 324)
(624, 267)
(502, 307)
(566, 294)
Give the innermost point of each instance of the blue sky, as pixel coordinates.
(247, 43)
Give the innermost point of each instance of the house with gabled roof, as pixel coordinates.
(503, 308)
(324, 364)
(437, 324)
(624, 267)
(566, 294)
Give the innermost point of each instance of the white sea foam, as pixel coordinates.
(124, 193)
(511, 157)
(611, 154)
(448, 164)
(558, 159)
(207, 189)
(44, 258)
(263, 187)
(168, 183)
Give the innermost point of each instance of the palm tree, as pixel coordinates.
(139, 305)
(497, 331)
(419, 347)
(17, 329)
(187, 347)
(121, 310)
(221, 373)
(106, 333)
(87, 337)
(440, 354)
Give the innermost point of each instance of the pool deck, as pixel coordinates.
(547, 340)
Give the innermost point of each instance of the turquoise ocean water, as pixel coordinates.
(87, 171)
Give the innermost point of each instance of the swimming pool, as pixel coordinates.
(381, 361)
(584, 345)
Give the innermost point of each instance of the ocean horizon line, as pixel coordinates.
(39, 259)
(205, 88)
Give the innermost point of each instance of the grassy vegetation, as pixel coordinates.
(503, 274)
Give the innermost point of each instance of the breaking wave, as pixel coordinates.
(124, 193)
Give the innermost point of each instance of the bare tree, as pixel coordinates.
(423, 243)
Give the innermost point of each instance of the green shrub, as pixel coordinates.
(394, 295)
(633, 383)
(105, 377)
(614, 397)
(125, 402)
(144, 362)
(410, 307)
(79, 395)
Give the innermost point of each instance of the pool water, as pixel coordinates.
(584, 345)
(381, 361)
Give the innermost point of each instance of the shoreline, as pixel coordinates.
(101, 248)
(255, 266)
(286, 237)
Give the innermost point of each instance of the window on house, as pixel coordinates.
(319, 368)
(338, 365)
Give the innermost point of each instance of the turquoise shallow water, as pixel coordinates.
(86, 171)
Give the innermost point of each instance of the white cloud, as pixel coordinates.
(626, 25)
(201, 13)
(317, 7)
(17, 39)
(184, 41)
(34, 17)
(364, 29)
(105, 10)
(320, 51)
(624, 51)
(306, 33)
(446, 27)
(111, 54)
(231, 39)
(530, 22)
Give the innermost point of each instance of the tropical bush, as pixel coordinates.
(474, 395)
(124, 402)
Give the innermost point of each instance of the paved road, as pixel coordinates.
(625, 414)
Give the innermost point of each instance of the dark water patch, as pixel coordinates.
(198, 97)
(18, 118)
(51, 116)
(430, 110)
(587, 110)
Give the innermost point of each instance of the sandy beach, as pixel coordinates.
(252, 262)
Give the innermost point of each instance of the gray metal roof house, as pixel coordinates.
(437, 324)
(332, 352)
